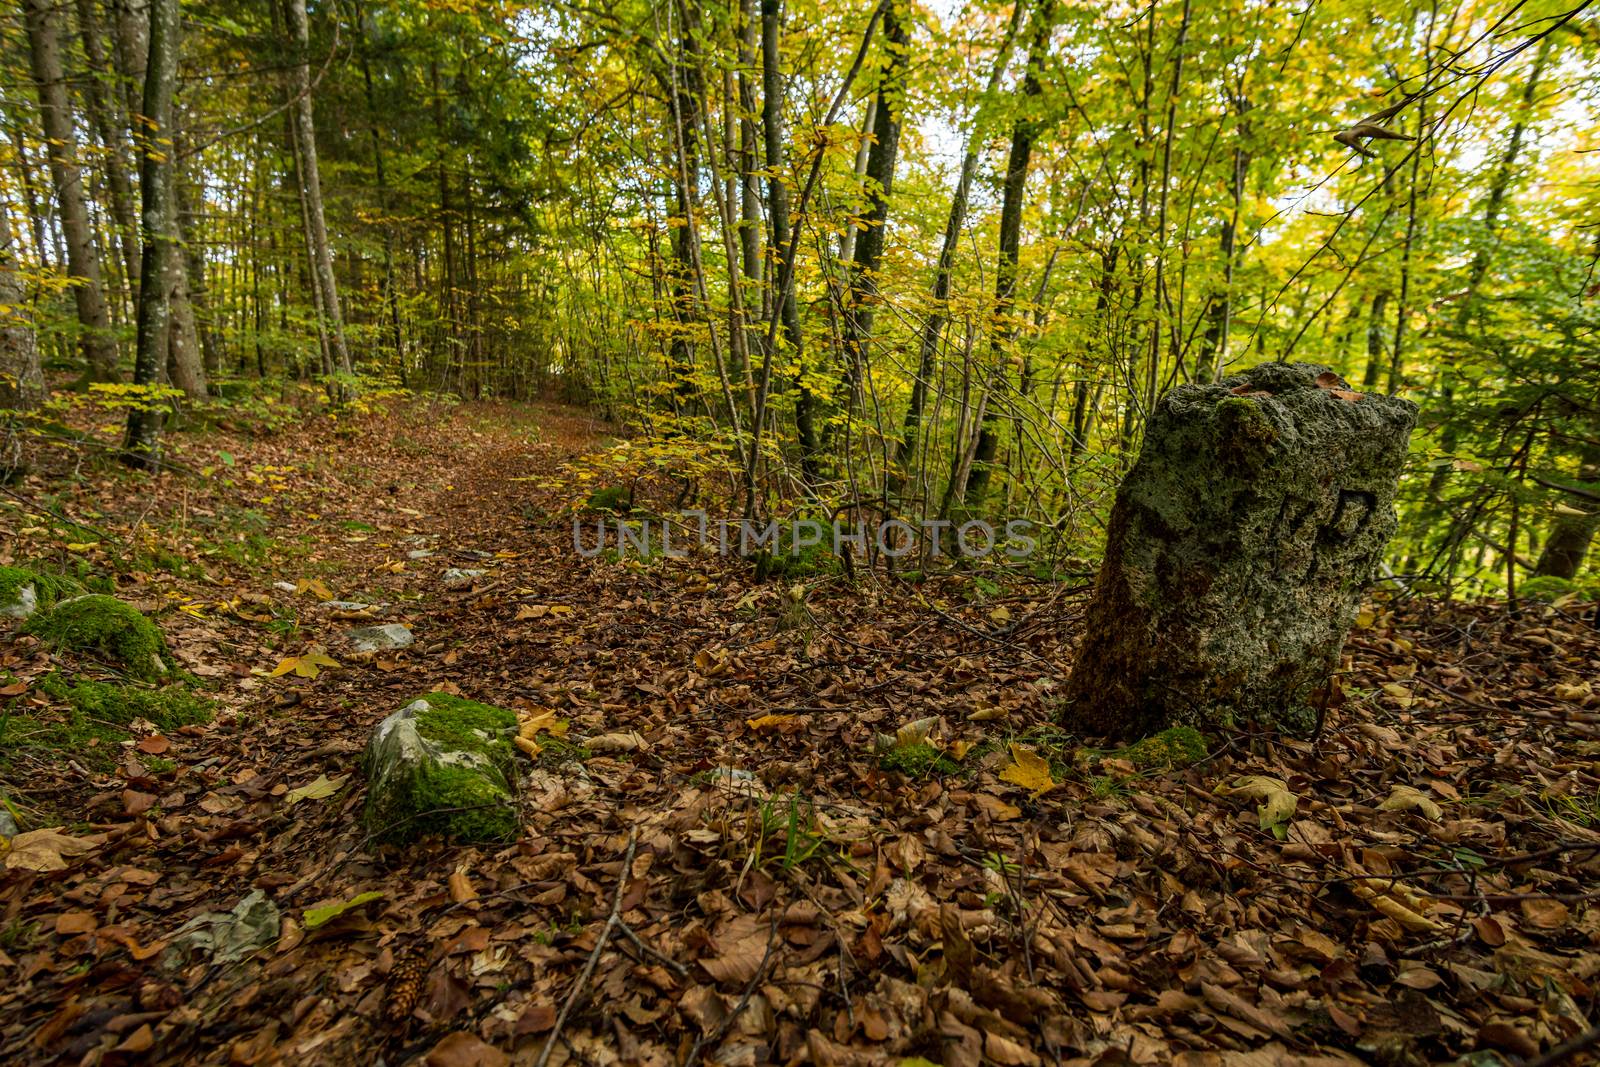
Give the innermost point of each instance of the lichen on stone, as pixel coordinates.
(442, 765)
(104, 627)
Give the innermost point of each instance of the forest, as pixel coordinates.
(351, 353)
(940, 260)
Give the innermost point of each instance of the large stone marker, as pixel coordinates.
(1238, 548)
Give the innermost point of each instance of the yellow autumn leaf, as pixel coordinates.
(1029, 770)
(307, 666)
(958, 750)
(320, 789)
(315, 586)
(532, 611)
(908, 736)
(545, 720)
(1408, 798)
(1276, 802)
(770, 723)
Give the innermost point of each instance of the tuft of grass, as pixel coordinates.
(787, 832)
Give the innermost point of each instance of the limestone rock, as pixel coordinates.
(458, 576)
(22, 602)
(389, 636)
(442, 765)
(1237, 552)
(24, 591)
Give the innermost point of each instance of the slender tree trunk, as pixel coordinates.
(185, 368)
(684, 96)
(110, 124)
(55, 113)
(1083, 407)
(1013, 197)
(1377, 351)
(888, 111)
(43, 244)
(141, 446)
(390, 290)
(784, 298)
(749, 181)
(905, 446)
(22, 385)
(311, 184)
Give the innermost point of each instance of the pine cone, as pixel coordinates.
(405, 986)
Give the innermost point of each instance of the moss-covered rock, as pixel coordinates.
(106, 628)
(442, 765)
(24, 591)
(1237, 553)
(1175, 747)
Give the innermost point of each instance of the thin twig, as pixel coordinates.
(612, 922)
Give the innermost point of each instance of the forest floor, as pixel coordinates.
(717, 863)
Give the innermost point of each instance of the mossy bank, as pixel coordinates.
(106, 629)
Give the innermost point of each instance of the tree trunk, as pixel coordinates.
(905, 447)
(110, 124)
(55, 113)
(141, 446)
(22, 385)
(887, 112)
(391, 295)
(1571, 531)
(311, 185)
(778, 210)
(1013, 197)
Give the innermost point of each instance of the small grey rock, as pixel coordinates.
(380, 638)
(8, 822)
(419, 553)
(25, 603)
(462, 575)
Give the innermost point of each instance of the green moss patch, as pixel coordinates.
(48, 589)
(92, 719)
(1176, 747)
(460, 723)
(170, 707)
(917, 761)
(106, 628)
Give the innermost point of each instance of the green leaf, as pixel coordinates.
(315, 917)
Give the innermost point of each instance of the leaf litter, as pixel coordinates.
(718, 861)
